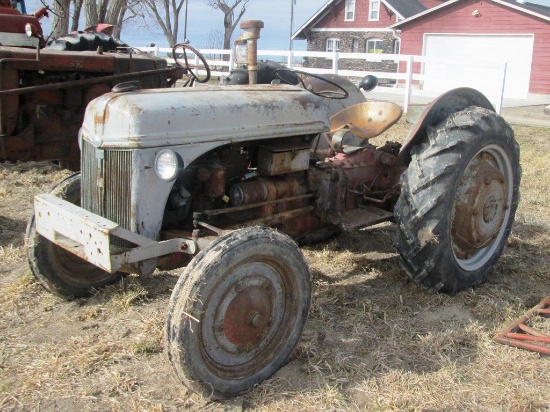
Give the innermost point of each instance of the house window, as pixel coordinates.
(350, 10)
(397, 46)
(374, 10)
(355, 46)
(333, 44)
(375, 46)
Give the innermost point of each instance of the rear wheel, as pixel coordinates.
(237, 312)
(61, 272)
(458, 200)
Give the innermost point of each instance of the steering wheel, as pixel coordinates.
(291, 76)
(188, 68)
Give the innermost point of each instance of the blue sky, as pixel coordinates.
(202, 20)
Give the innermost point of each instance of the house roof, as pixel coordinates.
(402, 8)
(405, 8)
(535, 10)
(313, 19)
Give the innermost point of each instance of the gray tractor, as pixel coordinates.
(224, 179)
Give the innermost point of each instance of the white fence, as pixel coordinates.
(409, 78)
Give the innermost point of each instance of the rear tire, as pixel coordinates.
(237, 312)
(60, 272)
(458, 199)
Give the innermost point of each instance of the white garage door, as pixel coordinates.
(457, 60)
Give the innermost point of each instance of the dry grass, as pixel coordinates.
(373, 341)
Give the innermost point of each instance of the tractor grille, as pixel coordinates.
(106, 183)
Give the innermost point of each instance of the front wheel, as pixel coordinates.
(237, 312)
(458, 200)
(60, 272)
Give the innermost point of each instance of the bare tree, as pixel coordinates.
(60, 22)
(77, 8)
(103, 11)
(130, 11)
(214, 40)
(166, 13)
(233, 11)
(116, 12)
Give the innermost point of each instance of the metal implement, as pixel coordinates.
(520, 335)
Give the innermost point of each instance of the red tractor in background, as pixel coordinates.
(16, 24)
(44, 89)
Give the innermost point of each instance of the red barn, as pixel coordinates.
(484, 34)
(466, 42)
(358, 26)
(348, 25)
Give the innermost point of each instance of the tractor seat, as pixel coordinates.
(366, 120)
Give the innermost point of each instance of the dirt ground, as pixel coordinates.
(528, 112)
(373, 340)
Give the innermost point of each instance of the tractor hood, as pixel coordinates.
(166, 117)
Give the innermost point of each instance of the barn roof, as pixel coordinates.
(402, 8)
(405, 8)
(535, 10)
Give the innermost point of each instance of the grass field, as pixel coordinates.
(373, 341)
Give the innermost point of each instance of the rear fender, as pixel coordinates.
(448, 103)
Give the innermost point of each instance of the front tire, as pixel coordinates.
(458, 199)
(237, 312)
(60, 272)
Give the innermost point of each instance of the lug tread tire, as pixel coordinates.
(427, 194)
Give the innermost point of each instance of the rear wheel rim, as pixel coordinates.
(479, 220)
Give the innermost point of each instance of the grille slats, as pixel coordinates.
(113, 171)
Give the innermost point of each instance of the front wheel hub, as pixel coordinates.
(480, 206)
(245, 318)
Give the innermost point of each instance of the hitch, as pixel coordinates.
(519, 335)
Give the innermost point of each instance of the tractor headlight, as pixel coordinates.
(80, 139)
(29, 30)
(167, 165)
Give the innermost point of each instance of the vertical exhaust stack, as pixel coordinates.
(250, 36)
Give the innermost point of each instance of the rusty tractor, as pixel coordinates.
(224, 179)
(44, 89)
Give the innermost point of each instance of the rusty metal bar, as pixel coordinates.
(214, 212)
(216, 230)
(85, 82)
(511, 334)
(530, 330)
(523, 336)
(280, 217)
